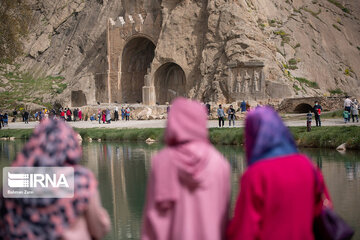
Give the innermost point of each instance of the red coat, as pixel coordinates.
(277, 200)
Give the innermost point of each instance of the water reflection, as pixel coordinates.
(122, 171)
(122, 174)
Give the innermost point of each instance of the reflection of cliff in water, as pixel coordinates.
(342, 176)
(122, 171)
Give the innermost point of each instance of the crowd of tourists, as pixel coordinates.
(282, 194)
(231, 113)
(351, 110)
(67, 114)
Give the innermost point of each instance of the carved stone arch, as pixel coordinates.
(169, 82)
(136, 58)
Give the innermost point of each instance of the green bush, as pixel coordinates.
(339, 5)
(336, 27)
(336, 91)
(293, 61)
(307, 82)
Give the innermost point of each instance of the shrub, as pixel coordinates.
(336, 91)
(307, 82)
(292, 61)
(296, 87)
(339, 5)
(336, 27)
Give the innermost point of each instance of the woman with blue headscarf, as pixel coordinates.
(278, 197)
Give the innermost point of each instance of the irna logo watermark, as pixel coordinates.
(38, 182)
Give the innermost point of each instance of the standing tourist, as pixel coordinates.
(231, 115)
(26, 117)
(108, 116)
(221, 115)
(5, 119)
(308, 121)
(104, 116)
(127, 114)
(167, 107)
(80, 114)
(355, 111)
(62, 115)
(68, 114)
(76, 111)
(346, 116)
(347, 106)
(317, 112)
(99, 115)
(243, 106)
(54, 144)
(122, 113)
(41, 115)
(280, 190)
(188, 190)
(14, 115)
(208, 107)
(116, 114)
(1, 120)
(248, 107)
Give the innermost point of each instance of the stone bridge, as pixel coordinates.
(303, 105)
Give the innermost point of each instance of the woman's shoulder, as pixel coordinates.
(279, 162)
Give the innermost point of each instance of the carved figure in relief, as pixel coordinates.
(256, 81)
(246, 83)
(238, 83)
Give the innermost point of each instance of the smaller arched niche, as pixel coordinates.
(170, 82)
(303, 108)
(78, 99)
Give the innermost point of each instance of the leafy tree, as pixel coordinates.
(15, 19)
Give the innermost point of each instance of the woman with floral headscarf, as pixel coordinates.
(279, 195)
(54, 144)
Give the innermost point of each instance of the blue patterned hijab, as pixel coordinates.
(266, 136)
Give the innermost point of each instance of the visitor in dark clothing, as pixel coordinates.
(208, 107)
(317, 112)
(1, 120)
(75, 114)
(231, 115)
(243, 106)
(26, 117)
(15, 115)
(221, 115)
(5, 119)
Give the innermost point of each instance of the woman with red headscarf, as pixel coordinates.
(188, 191)
(54, 144)
(279, 195)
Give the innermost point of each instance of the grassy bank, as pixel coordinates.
(324, 137)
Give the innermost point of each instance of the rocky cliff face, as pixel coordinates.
(308, 47)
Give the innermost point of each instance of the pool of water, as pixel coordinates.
(122, 171)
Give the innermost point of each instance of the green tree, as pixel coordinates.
(15, 19)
